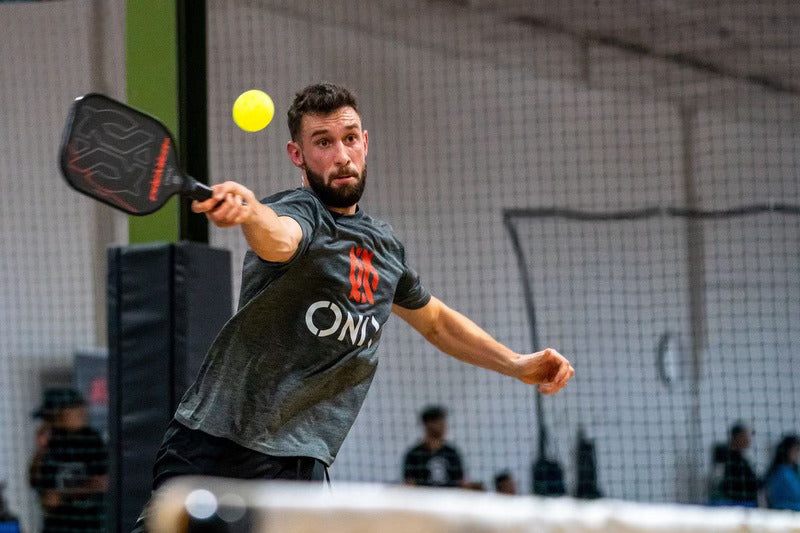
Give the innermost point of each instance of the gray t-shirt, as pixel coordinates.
(289, 371)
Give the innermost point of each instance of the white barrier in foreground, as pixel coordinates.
(274, 507)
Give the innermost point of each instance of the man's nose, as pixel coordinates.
(342, 158)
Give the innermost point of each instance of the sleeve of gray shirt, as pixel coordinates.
(300, 205)
(410, 293)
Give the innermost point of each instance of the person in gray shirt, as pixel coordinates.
(285, 378)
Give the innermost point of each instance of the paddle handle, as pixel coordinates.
(197, 191)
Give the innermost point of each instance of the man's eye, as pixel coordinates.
(351, 138)
(323, 142)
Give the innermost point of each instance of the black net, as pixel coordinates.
(676, 311)
(645, 154)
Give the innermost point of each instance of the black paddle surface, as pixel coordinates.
(122, 157)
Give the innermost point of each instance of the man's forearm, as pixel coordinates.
(460, 337)
(267, 235)
(456, 335)
(271, 237)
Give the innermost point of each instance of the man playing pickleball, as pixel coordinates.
(284, 380)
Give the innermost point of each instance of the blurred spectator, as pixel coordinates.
(547, 476)
(586, 468)
(433, 462)
(69, 467)
(782, 480)
(504, 483)
(739, 485)
(719, 456)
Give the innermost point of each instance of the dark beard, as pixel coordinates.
(336, 196)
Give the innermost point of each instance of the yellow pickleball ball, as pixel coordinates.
(253, 110)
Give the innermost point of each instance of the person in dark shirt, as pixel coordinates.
(719, 456)
(433, 462)
(739, 484)
(69, 469)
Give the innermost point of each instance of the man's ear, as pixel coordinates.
(295, 153)
(366, 142)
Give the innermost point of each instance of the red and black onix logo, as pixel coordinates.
(363, 276)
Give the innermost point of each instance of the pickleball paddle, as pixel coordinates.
(122, 157)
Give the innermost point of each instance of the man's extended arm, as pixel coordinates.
(457, 335)
(271, 237)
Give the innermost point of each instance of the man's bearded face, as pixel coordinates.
(341, 188)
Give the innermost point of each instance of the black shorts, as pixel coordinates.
(190, 452)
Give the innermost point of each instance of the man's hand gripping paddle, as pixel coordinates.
(122, 157)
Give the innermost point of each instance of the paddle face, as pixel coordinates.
(122, 157)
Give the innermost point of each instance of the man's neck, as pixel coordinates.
(351, 210)
(433, 443)
(66, 429)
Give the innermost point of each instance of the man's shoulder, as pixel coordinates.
(417, 449)
(783, 472)
(379, 223)
(450, 449)
(300, 194)
(382, 231)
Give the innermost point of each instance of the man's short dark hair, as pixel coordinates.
(318, 99)
(738, 428)
(433, 412)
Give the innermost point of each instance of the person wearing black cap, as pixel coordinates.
(433, 462)
(739, 485)
(69, 468)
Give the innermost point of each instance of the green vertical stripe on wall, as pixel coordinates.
(151, 55)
